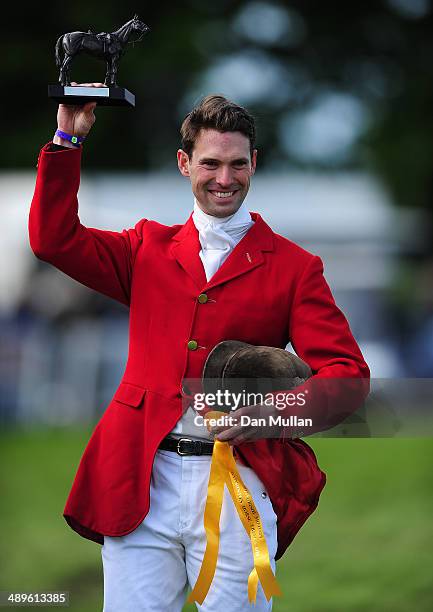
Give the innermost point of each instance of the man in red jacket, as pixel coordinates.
(141, 485)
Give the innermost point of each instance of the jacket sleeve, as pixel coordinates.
(100, 259)
(319, 331)
(321, 336)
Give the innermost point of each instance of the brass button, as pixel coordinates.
(202, 298)
(192, 345)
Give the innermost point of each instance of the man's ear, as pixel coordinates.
(183, 163)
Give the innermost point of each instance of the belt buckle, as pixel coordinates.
(179, 452)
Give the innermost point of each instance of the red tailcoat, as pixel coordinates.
(269, 291)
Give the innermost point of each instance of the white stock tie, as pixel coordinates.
(218, 237)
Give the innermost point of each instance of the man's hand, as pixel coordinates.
(76, 120)
(239, 433)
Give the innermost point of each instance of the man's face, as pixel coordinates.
(220, 169)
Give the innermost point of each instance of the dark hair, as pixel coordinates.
(217, 113)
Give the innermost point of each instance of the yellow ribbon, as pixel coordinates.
(224, 471)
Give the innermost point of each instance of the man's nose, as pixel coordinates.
(224, 176)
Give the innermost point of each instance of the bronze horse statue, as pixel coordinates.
(108, 47)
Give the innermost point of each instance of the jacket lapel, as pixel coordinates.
(186, 251)
(247, 254)
(245, 257)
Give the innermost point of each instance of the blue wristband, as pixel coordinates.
(75, 140)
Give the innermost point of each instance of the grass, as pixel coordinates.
(369, 544)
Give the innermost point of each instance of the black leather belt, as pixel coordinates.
(186, 446)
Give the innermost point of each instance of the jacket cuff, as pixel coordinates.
(50, 147)
(58, 160)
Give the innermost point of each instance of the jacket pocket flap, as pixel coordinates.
(129, 394)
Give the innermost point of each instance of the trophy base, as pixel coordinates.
(105, 96)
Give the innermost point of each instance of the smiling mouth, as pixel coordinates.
(223, 194)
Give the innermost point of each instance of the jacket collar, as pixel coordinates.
(245, 257)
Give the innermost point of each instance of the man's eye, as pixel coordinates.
(209, 164)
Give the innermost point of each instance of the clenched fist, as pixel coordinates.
(76, 120)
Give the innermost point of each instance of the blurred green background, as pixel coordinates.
(367, 546)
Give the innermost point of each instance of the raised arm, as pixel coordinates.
(102, 260)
